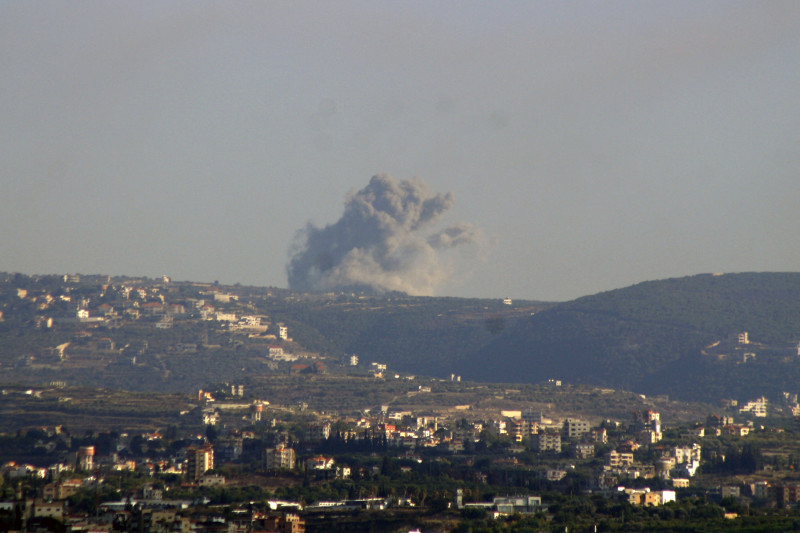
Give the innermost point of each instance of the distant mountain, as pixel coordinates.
(675, 336)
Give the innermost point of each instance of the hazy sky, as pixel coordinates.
(595, 144)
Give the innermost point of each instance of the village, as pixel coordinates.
(283, 437)
(243, 464)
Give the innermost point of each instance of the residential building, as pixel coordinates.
(584, 450)
(199, 461)
(283, 331)
(600, 436)
(737, 430)
(86, 458)
(279, 458)
(61, 489)
(730, 491)
(211, 481)
(517, 504)
(43, 509)
(687, 458)
(617, 459)
(318, 432)
(575, 428)
(288, 523)
(547, 441)
(757, 407)
(646, 497)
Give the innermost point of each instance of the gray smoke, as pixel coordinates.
(380, 243)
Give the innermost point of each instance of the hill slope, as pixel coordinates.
(156, 334)
(676, 336)
(419, 335)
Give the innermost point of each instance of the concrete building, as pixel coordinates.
(86, 458)
(687, 458)
(318, 432)
(517, 504)
(199, 461)
(44, 509)
(757, 407)
(283, 331)
(288, 523)
(256, 410)
(647, 426)
(575, 428)
(617, 459)
(730, 491)
(584, 450)
(279, 458)
(646, 497)
(547, 441)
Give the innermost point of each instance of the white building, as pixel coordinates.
(757, 407)
(687, 458)
(518, 504)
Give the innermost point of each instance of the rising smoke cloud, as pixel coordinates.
(381, 243)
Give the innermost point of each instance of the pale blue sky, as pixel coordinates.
(595, 144)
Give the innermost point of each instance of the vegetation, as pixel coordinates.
(675, 337)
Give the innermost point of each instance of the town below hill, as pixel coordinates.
(363, 454)
(153, 405)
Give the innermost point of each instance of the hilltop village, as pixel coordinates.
(156, 334)
(106, 322)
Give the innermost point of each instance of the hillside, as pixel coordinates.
(156, 334)
(419, 335)
(675, 336)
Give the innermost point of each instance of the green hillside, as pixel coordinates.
(656, 337)
(420, 335)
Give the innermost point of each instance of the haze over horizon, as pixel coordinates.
(595, 145)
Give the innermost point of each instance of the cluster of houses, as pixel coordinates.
(86, 304)
(150, 512)
(617, 453)
(561, 441)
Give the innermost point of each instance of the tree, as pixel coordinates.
(211, 433)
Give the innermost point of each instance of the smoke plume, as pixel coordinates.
(383, 242)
